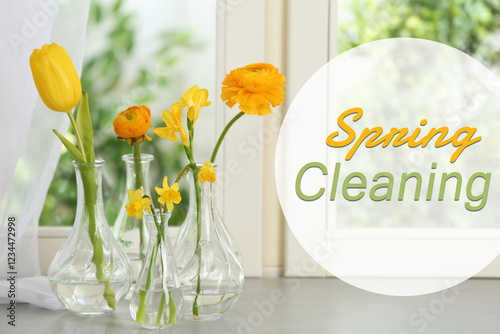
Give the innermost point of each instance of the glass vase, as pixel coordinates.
(90, 274)
(224, 233)
(157, 299)
(210, 273)
(131, 233)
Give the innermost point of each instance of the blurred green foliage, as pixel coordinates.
(467, 25)
(110, 88)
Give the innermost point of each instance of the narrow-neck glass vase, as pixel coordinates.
(90, 274)
(157, 301)
(224, 233)
(210, 273)
(131, 233)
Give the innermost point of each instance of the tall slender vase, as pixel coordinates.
(90, 274)
(157, 299)
(131, 233)
(210, 273)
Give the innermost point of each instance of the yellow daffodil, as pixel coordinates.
(207, 173)
(168, 195)
(195, 98)
(55, 77)
(137, 204)
(173, 124)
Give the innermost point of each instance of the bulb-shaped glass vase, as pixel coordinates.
(90, 274)
(210, 272)
(157, 301)
(224, 233)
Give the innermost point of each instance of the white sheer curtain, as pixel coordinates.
(29, 150)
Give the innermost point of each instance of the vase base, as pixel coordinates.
(88, 299)
(157, 328)
(91, 314)
(209, 306)
(210, 317)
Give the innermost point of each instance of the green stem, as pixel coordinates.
(160, 308)
(223, 134)
(189, 153)
(90, 190)
(183, 172)
(198, 238)
(143, 293)
(78, 136)
(171, 303)
(162, 301)
(172, 309)
(139, 183)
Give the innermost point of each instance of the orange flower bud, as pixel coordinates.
(133, 123)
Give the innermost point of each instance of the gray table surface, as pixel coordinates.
(308, 305)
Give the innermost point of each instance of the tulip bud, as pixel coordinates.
(56, 78)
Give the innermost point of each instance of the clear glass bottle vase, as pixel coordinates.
(131, 233)
(90, 274)
(224, 233)
(210, 272)
(157, 301)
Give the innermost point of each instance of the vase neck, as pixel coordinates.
(89, 187)
(206, 209)
(158, 233)
(155, 221)
(206, 191)
(134, 167)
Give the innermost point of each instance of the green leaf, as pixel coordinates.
(117, 5)
(75, 153)
(84, 124)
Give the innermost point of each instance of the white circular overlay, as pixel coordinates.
(387, 166)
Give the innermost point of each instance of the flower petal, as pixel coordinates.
(131, 195)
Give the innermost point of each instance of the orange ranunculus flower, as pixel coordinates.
(254, 87)
(133, 123)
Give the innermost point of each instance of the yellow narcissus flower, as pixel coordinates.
(207, 173)
(169, 195)
(173, 124)
(133, 123)
(55, 77)
(254, 87)
(137, 204)
(195, 98)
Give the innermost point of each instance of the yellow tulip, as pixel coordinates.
(55, 77)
